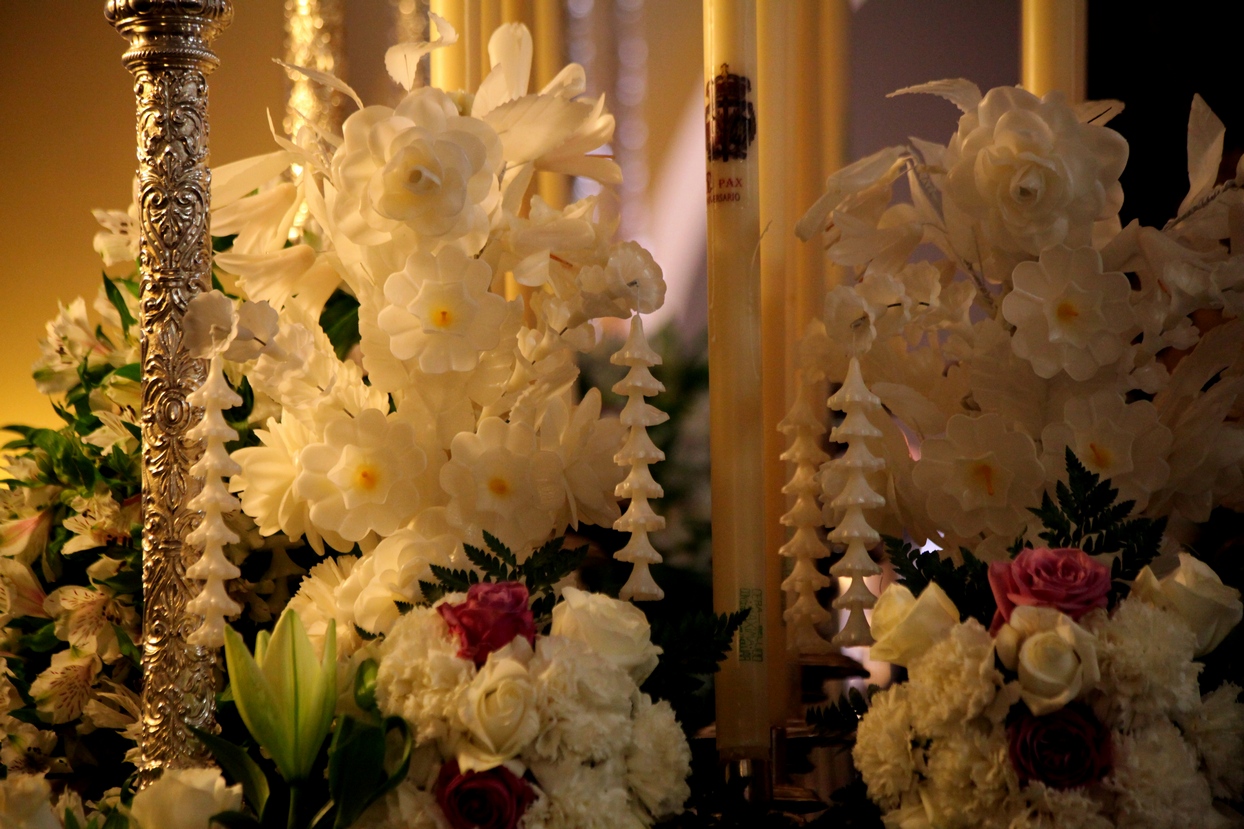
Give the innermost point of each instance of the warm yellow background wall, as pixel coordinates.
(67, 145)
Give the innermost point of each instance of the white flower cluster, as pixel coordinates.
(456, 412)
(1042, 325)
(1051, 722)
(567, 714)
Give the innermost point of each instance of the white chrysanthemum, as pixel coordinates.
(390, 574)
(1145, 655)
(1216, 729)
(1068, 314)
(498, 480)
(577, 796)
(658, 760)
(421, 677)
(955, 681)
(883, 747)
(441, 311)
(1029, 174)
(1156, 782)
(585, 703)
(981, 476)
(266, 484)
(969, 778)
(26, 802)
(419, 174)
(1051, 808)
(318, 602)
(1115, 439)
(363, 477)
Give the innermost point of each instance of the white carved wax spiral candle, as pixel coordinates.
(213, 568)
(638, 453)
(805, 546)
(850, 499)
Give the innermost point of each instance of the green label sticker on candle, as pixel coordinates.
(752, 632)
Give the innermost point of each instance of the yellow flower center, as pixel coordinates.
(983, 473)
(499, 486)
(442, 317)
(1102, 457)
(1067, 311)
(366, 477)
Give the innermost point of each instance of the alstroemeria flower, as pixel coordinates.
(285, 697)
(1068, 314)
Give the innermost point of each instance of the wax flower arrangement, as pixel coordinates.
(394, 450)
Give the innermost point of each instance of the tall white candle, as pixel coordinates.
(1055, 45)
(735, 369)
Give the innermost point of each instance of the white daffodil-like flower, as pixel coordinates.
(1031, 173)
(420, 172)
(363, 477)
(1121, 441)
(981, 476)
(500, 481)
(1067, 313)
(441, 311)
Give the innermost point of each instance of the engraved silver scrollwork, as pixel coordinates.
(170, 57)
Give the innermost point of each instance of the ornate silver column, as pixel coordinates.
(170, 57)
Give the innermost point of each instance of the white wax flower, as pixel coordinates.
(1068, 314)
(184, 799)
(1194, 592)
(500, 481)
(1030, 173)
(616, 630)
(363, 477)
(419, 171)
(904, 626)
(1124, 442)
(981, 476)
(441, 311)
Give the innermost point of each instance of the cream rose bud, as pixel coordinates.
(904, 626)
(498, 712)
(1194, 591)
(184, 799)
(616, 630)
(1056, 659)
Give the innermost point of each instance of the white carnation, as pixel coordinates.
(1145, 656)
(1157, 783)
(1060, 809)
(421, 677)
(883, 747)
(969, 778)
(577, 796)
(658, 760)
(584, 702)
(955, 681)
(1217, 732)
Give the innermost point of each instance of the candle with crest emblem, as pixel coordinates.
(735, 373)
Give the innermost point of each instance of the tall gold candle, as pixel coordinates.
(489, 20)
(548, 33)
(775, 146)
(1055, 45)
(823, 36)
(735, 370)
(449, 65)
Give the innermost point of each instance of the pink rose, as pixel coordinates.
(493, 799)
(1065, 579)
(489, 619)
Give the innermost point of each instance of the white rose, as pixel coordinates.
(184, 799)
(616, 630)
(499, 713)
(1056, 658)
(26, 801)
(904, 626)
(1194, 592)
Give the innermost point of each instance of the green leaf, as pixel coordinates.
(129, 371)
(357, 776)
(494, 568)
(127, 646)
(838, 721)
(340, 321)
(365, 686)
(118, 302)
(42, 640)
(966, 584)
(500, 550)
(693, 647)
(238, 765)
